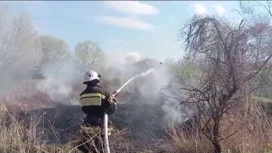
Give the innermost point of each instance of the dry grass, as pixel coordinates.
(189, 143)
(21, 137)
(252, 136)
(27, 136)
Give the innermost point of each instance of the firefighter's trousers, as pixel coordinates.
(92, 138)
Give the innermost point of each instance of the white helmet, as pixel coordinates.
(90, 76)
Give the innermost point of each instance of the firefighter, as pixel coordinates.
(95, 101)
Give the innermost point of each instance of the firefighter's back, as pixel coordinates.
(95, 102)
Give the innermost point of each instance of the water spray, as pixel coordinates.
(131, 79)
(106, 138)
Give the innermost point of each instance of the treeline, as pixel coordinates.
(21, 44)
(25, 54)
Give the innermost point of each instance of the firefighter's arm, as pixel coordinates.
(112, 104)
(111, 98)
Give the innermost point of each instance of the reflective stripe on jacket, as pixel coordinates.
(92, 99)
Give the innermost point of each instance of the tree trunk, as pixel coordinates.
(216, 142)
(217, 147)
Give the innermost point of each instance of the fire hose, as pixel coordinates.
(106, 138)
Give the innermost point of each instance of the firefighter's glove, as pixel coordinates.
(112, 107)
(111, 99)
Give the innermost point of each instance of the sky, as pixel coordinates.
(140, 28)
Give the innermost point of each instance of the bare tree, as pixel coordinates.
(53, 49)
(248, 7)
(89, 53)
(233, 56)
(3, 32)
(267, 6)
(19, 45)
(19, 51)
(24, 41)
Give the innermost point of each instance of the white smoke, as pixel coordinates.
(132, 57)
(60, 79)
(19, 51)
(57, 90)
(177, 113)
(124, 58)
(22, 53)
(149, 80)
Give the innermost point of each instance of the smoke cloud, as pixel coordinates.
(146, 88)
(132, 57)
(62, 77)
(18, 50)
(62, 80)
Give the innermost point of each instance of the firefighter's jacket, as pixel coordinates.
(94, 102)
